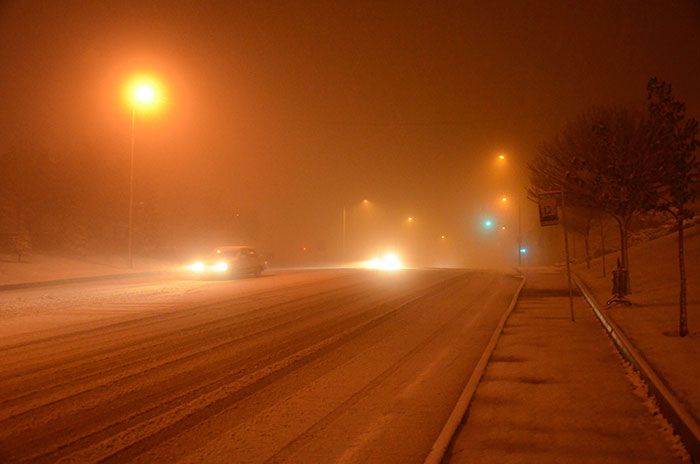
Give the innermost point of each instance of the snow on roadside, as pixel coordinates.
(651, 323)
(39, 267)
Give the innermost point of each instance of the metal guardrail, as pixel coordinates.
(684, 423)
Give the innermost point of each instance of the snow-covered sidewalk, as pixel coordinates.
(651, 322)
(41, 268)
(557, 391)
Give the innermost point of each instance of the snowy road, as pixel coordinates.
(318, 366)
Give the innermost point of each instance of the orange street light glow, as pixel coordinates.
(410, 219)
(504, 199)
(501, 157)
(144, 92)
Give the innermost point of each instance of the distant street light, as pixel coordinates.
(142, 94)
(488, 223)
(518, 198)
(410, 219)
(501, 157)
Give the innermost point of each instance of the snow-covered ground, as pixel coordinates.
(651, 322)
(321, 366)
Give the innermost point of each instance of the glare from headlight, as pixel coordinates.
(197, 267)
(388, 262)
(221, 267)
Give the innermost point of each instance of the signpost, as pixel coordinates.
(549, 216)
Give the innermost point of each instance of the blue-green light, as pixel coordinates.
(523, 250)
(488, 223)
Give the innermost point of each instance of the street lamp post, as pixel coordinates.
(130, 260)
(364, 202)
(520, 237)
(143, 94)
(344, 232)
(502, 161)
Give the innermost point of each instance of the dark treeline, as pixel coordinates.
(77, 202)
(68, 201)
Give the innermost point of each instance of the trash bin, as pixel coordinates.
(619, 282)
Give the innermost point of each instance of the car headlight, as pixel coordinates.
(221, 267)
(197, 267)
(389, 262)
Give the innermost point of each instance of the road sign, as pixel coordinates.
(549, 215)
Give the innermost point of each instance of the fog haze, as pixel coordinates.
(276, 116)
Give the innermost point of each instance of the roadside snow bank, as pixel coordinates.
(651, 323)
(38, 267)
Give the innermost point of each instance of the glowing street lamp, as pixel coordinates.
(504, 199)
(145, 94)
(488, 223)
(142, 94)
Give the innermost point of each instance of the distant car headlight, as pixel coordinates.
(197, 267)
(389, 262)
(221, 267)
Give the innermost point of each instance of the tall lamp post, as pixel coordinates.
(501, 160)
(520, 236)
(142, 95)
(504, 200)
(364, 202)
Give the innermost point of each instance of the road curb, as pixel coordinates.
(77, 280)
(685, 425)
(439, 448)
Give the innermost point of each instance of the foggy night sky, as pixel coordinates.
(290, 110)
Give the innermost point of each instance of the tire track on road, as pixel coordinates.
(312, 432)
(197, 396)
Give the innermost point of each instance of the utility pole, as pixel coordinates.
(547, 204)
(343, 248)
(568, 265)
(520, 238)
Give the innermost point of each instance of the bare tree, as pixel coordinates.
(678, 183)
(605, 160)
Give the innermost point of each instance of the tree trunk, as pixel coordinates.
(586, 241)
(602, 242)
(681, 265)
(623, 222)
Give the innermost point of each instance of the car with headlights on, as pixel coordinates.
(230, 261)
